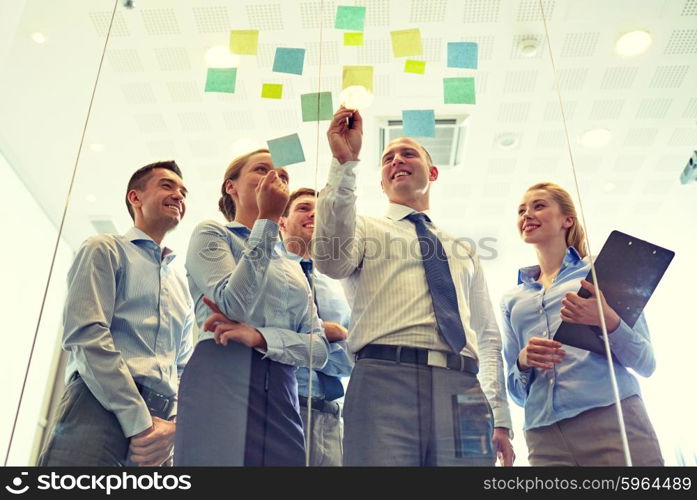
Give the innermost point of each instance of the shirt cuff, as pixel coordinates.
(502, 417)
(274, 344)
(264, 235)
(522, 375)
(621, 335)
(134, 419)
(342, 175)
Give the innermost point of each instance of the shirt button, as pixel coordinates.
(541, 311)
(544, 334)
(551, 381)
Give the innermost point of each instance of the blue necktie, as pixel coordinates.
(440, 284)
(331, 386)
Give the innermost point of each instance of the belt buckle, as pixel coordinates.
(154, 397)
(437, 358)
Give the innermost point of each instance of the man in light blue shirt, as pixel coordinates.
(127, 326)
(325, 387)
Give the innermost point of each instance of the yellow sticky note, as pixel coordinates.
(412, 66)
(244, 42)
(358, 75)
(406, 43)
(272, 90)
(353, 38)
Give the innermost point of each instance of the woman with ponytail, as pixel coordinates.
(570, 414)
(238, 402)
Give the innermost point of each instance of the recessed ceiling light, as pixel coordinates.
(507, 141)
(38, 37)
(595, 138)
(609, 187)
(356, 97)
(633, 43)
(91, 198)
(219, 56)
(96, 147)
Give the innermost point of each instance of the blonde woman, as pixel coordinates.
(570, 414)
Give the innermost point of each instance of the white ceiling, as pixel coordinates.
(150, 104)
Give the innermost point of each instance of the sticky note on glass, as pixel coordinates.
(272, 90)
(412, 66)
(221, 80)
(358, 75)
(406, 43)
(353, 39)
(286, 150)
(419, 123)
(458, 90)
(244, 42)
(462, 55)
(350, 18)
(317, 106)
(289, 61)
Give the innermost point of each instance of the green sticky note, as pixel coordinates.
(317, 106)
(350, 18)
(272, 90)
(419, 123)
(244, 42)
(289, 61)
(412, 66)
(462, 55)
(286, 150)
(354, 39)
(458, 90)
(221, 80)
(406, 43)
(358, 75)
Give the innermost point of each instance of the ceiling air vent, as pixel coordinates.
(446, 147)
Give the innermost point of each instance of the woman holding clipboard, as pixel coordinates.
(570, 414)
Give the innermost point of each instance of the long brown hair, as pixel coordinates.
(575, 236)
(226, 204)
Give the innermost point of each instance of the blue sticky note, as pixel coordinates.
(419, 123)
(350, 18)
(289, 61)
(286, 150)
(462, 55)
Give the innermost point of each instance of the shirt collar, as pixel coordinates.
(135, 235)
(281, 248)
(395, 211)
(529, 275)
(239, 229)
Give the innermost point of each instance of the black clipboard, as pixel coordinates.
(629, 270)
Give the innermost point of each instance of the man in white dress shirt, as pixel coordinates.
(414, 397)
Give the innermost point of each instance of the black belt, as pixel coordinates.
(158, 404)
(416, 356)
(322, 405)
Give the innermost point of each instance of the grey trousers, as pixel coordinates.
(412, 415)
(326, 448)
(84, 433)
(592, 438)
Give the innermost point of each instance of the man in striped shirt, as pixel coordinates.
(127, 327)
(421, 328)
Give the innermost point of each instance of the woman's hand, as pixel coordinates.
(224, 329)
(576, 309)
(345, 142)
(272, 196)
(540, 353)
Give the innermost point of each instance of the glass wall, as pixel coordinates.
(503, 96)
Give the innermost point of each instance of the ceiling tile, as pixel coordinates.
(640, 137)
(433, 50)
(514, 112)
(690, 108)
(682, 42)
(683, 137)
(485, 46)
(553, 111)
(375, 51)
(138, 93)
(329, 53)
(125, 60)
(265, 17)
(551, 139)
(204, 147)
(310, 13)
(607, 109)
(668, 77)
(160, 22)
(194, 121)
(151, 123)
(481, 11)
(239, 120)
(690, 8)
(529, 10)
(288, 118)
(187, 91)
(572, 78)
(102, 19)
(629, 163)
(172, 59)
(162, 149)
(427, 11)
(501, 166)
(377, 12)
(579, 44)
(520, 81)
(653, 108)
(213, 19)
(544, 165)
(619, 77)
